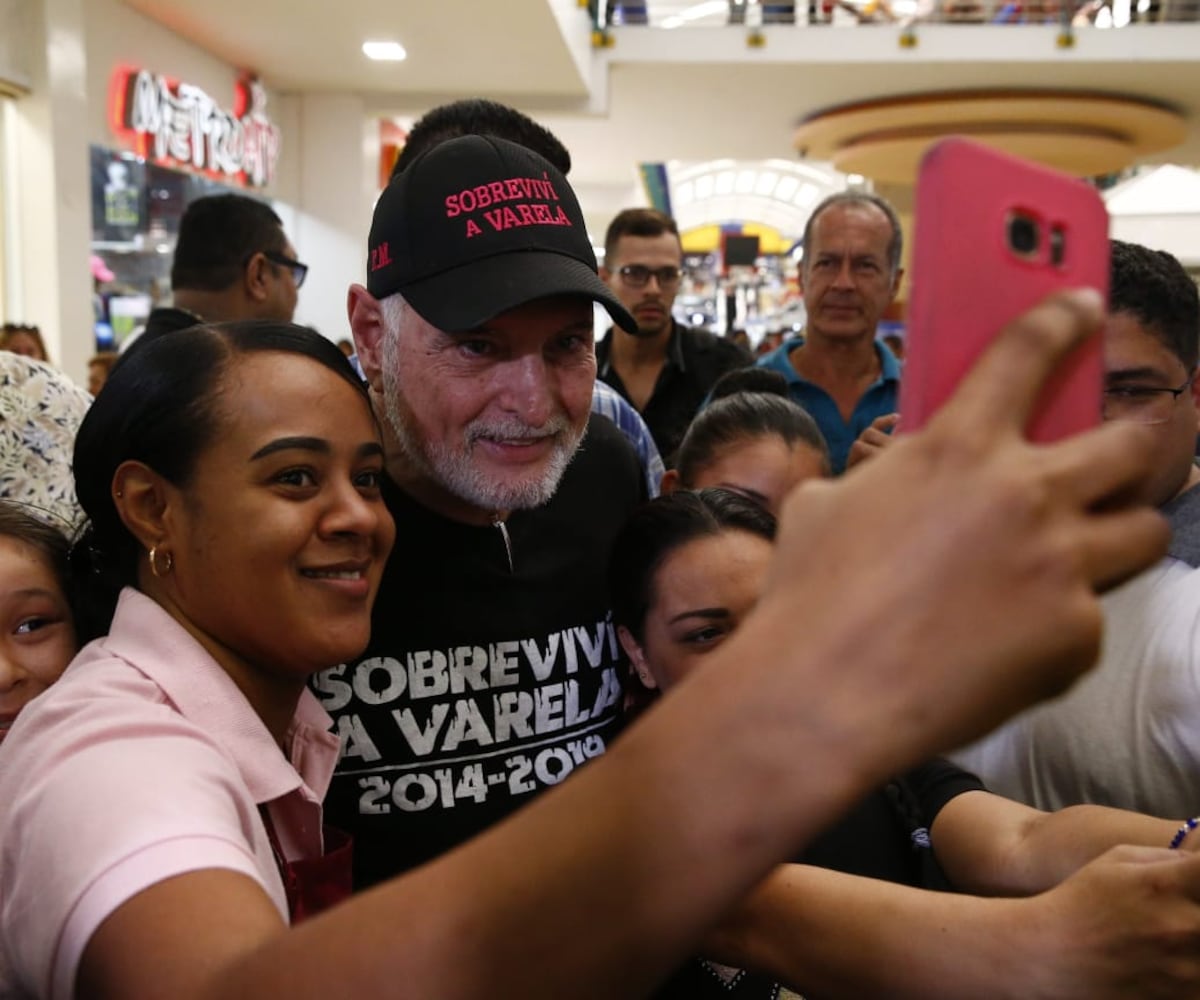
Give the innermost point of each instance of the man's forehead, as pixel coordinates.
(1129, 343)
(861, 223)
(662, 243)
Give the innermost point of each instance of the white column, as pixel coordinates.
(52, 228)
(337, 149)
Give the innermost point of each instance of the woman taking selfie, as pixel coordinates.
(235, 540)
(160, 805)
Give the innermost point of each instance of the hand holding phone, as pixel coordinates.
(993, 236)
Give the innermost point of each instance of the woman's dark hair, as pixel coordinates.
(160, 407)
(51, 543)
(10, 330)
(736, 414)
(658, 528)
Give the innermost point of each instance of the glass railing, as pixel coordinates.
(754, 14)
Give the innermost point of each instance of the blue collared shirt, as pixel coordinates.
(609, 403)
(880, 399)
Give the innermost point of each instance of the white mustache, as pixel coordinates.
(517, 430)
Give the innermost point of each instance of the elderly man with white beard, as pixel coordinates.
(493, 670)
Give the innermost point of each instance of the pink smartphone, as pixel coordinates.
(993, 236)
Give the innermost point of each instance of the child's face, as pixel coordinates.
(37, 638)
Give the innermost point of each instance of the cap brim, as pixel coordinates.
(466, 297)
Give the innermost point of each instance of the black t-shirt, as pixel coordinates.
(886, 836)
(695, 360)
(484, 682)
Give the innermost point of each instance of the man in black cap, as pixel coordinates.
(493, 670)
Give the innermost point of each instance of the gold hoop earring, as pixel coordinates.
(154, 562)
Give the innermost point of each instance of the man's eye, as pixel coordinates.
(476, 348)
(1134, 393)
(572, 342)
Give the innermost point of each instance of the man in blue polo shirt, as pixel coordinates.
(836, 370)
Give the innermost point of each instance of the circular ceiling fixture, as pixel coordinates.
(1080, 132)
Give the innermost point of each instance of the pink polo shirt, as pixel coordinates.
(143, 762)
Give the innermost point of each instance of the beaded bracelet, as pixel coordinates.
(1183, 831)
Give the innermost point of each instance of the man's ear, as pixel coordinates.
(366, 324)
(255, 279)
(143, 501)
(637, 657)
(670, 482)
(896, 279)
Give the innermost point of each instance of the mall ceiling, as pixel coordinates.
(690, 94)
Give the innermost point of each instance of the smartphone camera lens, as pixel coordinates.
(1058, 246)
(1023, 235)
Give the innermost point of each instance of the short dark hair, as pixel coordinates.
(859, 199)
(1153, 286)
(735, 414)
(105, 359)
(218, 234)
(159, 407)
(478, 116)
(658, 528)
(637, 222)
(749, 379)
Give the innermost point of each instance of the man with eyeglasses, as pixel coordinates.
(664, 369)
(1128, 735)
(233, 261)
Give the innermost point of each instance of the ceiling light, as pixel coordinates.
(384, 51)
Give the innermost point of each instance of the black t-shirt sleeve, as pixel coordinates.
(936, 782)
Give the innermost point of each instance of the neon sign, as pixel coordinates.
(177, 124)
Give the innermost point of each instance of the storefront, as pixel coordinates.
(116, 127)
(170, 143)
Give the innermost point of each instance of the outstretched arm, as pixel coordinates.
(994, 846)
(1127, 924)
(596, 889)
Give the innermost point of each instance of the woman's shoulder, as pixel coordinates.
(106, 788)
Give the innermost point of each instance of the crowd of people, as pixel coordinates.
(390, 674)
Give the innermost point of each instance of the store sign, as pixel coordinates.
(177, 124)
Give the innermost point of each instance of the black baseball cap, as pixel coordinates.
(477, 226)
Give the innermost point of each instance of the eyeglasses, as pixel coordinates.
(638, 276)
(1142, 404)
(299, 271)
